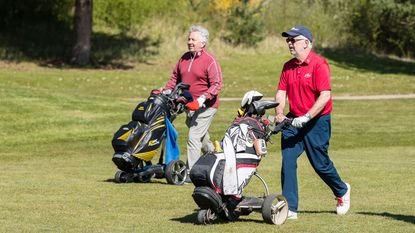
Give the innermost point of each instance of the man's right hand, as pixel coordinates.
(280, 117)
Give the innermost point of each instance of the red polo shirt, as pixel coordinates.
(303, 83)
(203, 74)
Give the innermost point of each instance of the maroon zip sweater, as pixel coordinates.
(202, 72)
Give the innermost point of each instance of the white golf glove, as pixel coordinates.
(299, 122)
(201, 100)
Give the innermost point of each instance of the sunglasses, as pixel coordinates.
(292, 40)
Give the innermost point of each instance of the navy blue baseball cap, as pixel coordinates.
(299, 30)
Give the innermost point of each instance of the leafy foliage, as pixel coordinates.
(43, 29)
(388, 26)
(245, 25)
(21, 11)
(39, 29)
(127, 15)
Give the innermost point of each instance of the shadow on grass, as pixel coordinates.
(359, 60)
(50, 44)
(318, 212)
(400, 217)
(192, 218)
(153, 181)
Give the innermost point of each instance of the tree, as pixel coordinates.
(83, 29)
(245, 24)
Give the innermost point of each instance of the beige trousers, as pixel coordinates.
(198, 141)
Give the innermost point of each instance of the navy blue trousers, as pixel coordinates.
(314, 139)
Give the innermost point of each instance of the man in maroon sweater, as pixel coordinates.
(200, 69)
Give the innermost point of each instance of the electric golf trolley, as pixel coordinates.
(246, 141)
(136, 143)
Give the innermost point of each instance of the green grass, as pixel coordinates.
(56, 173)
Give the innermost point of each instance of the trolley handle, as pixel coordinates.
(277, 128)
(282, 125)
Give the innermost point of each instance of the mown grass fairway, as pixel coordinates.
(56, 173)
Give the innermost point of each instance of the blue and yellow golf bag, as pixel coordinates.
(136, 143)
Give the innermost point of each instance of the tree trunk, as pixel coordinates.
(83, 29)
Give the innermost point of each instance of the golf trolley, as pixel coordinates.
(136, 143)
(208, 172)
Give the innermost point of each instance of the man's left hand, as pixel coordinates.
(299, 122)
(196, 104)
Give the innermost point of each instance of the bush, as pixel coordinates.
(127, 15)
(38, 29)
(384, 26)
(14, 12)
(244, 25)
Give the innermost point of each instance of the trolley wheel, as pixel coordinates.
(206, 216)
(122, 177)
(176, 172)
(275, 209)
(232, 215)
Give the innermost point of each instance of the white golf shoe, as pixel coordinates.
(292, 215)
(343, 203)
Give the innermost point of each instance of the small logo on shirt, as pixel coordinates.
(308, 75)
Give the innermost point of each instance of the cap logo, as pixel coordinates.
(294, 28)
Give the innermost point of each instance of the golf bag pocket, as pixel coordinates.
(200, 172)
(122, 136)
(139, 112)
(147, 139)
(260, 147)
(209, 169)
(150, 110)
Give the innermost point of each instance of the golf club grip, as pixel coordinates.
(282, 125)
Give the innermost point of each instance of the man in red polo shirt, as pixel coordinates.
(305, 80)
(200, 69)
